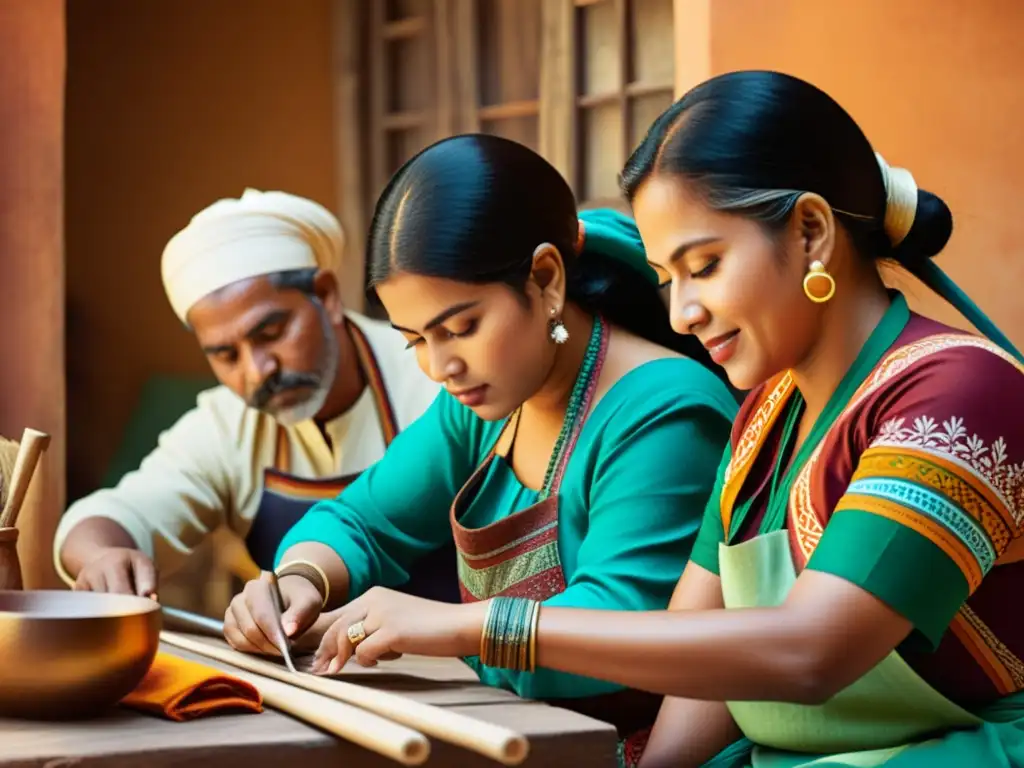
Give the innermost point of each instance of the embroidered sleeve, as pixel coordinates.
(938, 495)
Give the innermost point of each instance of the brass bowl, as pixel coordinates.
(71, 655)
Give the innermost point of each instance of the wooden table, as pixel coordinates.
(126, 739)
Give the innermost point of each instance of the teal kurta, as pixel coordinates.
(630, 507)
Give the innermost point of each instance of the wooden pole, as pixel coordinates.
(501, 744)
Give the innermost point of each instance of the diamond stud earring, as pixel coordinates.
(557, 330)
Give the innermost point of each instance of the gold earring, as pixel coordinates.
(817, 271)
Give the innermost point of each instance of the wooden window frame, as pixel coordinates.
(563, 104)
(362, 35)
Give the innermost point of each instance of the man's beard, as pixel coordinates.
(319, 381)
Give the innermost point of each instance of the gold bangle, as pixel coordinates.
(485, 634)
(301, 568)
(532, 664)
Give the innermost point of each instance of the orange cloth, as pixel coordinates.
(181, 690)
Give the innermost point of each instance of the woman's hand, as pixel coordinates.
(250, 618)
(395, 623)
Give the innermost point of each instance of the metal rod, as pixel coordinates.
(281, 639)
(203, 624)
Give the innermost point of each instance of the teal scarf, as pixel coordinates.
(930, 274)
(615, 236)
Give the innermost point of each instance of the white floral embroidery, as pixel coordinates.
(808, 523)
(989, 462)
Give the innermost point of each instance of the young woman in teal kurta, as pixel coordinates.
(569, 459)
(629, 512)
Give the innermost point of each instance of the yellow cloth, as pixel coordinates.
(207, 469)
(238, 238)
(181, 690)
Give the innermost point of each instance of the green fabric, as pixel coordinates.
(712, 530)
(881, 339)
(881, 719)
(736, 755)
(500, 489)
(712, 533)
(630, 501)
(988, 746)
(873, 552)
(775, 518)
(162, 401)
(931, 275)
(616, 236)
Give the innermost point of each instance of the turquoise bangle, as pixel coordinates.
(508, 638)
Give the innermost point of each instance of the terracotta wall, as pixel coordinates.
(172, 104)
(937, 86)
(31, 255)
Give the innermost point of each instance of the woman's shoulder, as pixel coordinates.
(655, 413)
(955, 364)
(930, 357)
(665, 389)
(673, 378)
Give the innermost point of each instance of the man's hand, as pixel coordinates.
(121, 570)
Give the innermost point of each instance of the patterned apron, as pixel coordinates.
(285, 498)
(884, 718)
(517, 556)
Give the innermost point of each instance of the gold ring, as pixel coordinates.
(356, 633)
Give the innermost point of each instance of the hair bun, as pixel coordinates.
(900, 200)
(917, 223)
(931, 230)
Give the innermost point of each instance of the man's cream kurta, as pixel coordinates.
(207, 469)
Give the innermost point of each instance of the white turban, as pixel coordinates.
(257, 234)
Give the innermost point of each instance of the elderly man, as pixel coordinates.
(311, 395)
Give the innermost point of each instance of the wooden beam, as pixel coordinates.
(510, 109)
(598, 99)
(635, 90)
(32, 244)
(625, 75)
(558, 87)
(428, 116)
(466, 64)
(346, 18)
(403, 121)
(403, 29)
(379, 96)
(446, 117)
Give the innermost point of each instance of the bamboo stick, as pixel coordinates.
(33, 444)
(354, 724)
(494, 741)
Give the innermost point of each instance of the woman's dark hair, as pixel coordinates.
(752, 142)
(474, 208)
